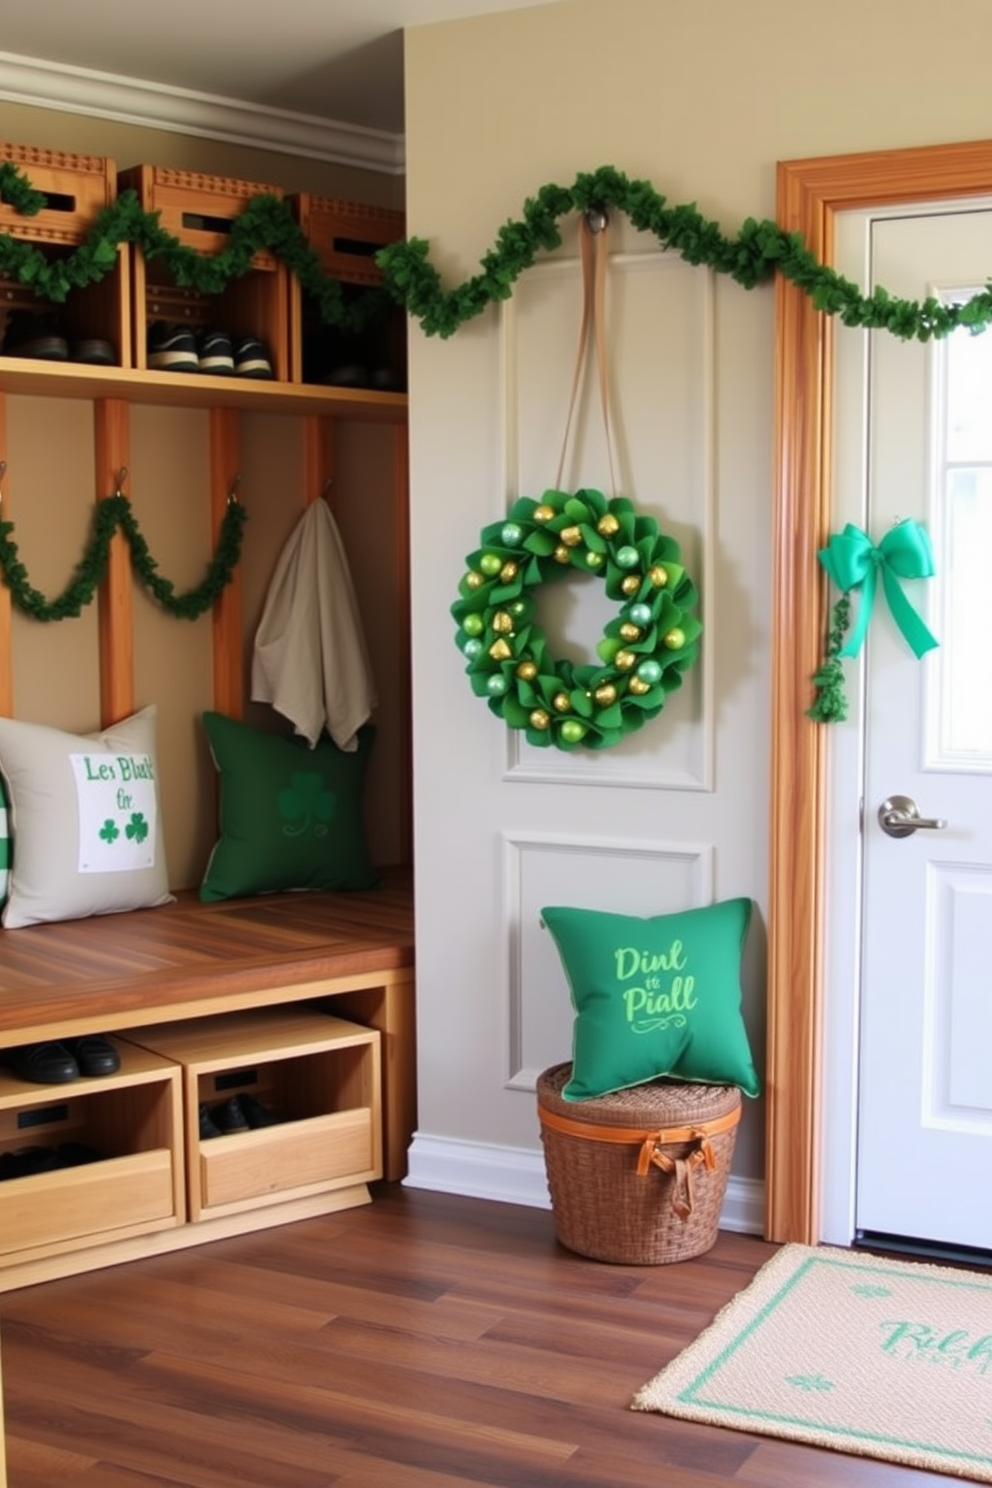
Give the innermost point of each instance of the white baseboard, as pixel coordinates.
(514, 1175)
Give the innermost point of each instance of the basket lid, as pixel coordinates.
(659, 1103)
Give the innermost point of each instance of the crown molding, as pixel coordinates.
(103, 95)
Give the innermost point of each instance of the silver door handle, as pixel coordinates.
(900, 817)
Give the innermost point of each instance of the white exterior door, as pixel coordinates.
(923, 1146)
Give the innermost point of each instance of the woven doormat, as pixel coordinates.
(887, 1359)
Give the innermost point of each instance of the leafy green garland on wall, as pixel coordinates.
(751, 258)
(109, 514)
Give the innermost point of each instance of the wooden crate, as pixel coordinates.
(199, 210)
(133, 1117)
(346, 236)
(320, 1077)
(77, 188)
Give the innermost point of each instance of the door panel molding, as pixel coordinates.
(810, 193)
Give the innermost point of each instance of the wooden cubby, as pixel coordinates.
(199, 210)
(77, 188)
(50, 1220)
(318, 1075)
(346, 236)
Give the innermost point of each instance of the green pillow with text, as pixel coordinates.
(655, 997)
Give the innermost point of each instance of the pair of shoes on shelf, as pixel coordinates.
(28, 334)
(237, 1114)
(354, 374)
(57, 1061)
(25, 1161)
(179, 348)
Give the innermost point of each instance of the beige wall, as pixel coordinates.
(702, 100)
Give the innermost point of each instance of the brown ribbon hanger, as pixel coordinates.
(594, 257)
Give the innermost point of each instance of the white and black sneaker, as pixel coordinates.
(213, 349)
(251, 358)
(172, 348)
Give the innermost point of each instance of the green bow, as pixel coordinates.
(852, 561)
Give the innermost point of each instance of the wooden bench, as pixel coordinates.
(152, 972)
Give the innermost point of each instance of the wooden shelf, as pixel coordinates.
(194, 390)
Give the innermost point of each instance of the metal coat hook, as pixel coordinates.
(3, 472)
(121, 478)
(327, 488)
(232, 490)
(596, 219)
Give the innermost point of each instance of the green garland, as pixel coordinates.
(643, 652)
(109, 514)
(830, 702)
(759, 250)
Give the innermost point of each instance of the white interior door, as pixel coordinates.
(924, 1102)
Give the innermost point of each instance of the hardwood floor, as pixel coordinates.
(423, 1341)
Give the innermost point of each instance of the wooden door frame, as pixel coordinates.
(810, 193)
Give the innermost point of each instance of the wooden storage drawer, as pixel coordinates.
(296, 1155)
(134, 1186)
(89, 1203)
(319, 1078)
(200, 210)
(77, 188)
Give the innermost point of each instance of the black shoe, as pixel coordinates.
(28, 1160)
(94, 1054)
(32, 335)
(214, 354)
(349, 374)
(208, 1127)
(172, 348)
(254, 1112)
(75, 1154)
(251, 358)
(48, 1063)
(229, 1116)
(93, 350)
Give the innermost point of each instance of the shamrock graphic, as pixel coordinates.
(110, 831)
(306, 804)
(137, 828)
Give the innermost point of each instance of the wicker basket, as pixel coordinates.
(638, 1177)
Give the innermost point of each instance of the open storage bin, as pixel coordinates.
(346, 236)
(319, 1076)
(77, 188)
(131, 1124)
(199, 210)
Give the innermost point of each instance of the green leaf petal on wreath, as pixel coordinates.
(540, 542)
(593, 541)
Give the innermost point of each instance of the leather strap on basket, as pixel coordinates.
(650, 1145)
(592, 249)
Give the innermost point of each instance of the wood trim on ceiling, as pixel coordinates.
(810, 193)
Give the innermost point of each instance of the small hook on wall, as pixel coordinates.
(232, 490)
(120, 478)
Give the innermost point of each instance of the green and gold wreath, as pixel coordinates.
(643, 653)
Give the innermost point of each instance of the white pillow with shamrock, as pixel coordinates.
(85, 821)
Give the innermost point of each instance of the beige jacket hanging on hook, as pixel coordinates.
(310, 658)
